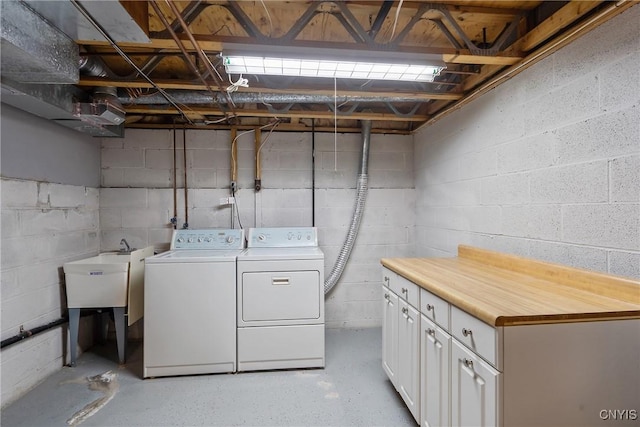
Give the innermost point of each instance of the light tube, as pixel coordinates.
(330, 68)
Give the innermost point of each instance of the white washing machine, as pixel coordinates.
(190, 304)
(281, 300)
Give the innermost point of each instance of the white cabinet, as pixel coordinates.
(401, 338)
(435, 349)
(433, 354)
(474, 389)
(409, 357)
(390, 334)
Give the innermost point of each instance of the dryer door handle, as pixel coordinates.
(279, 280)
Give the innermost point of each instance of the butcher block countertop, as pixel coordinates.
(508, 290)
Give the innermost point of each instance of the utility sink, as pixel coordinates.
(100, 281)
(110, 280)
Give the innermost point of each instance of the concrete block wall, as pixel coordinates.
(136, 198)
(547, 165)
(44, 225)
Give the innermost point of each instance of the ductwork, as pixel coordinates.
(361, 197)
(205, 97)
(35, 52)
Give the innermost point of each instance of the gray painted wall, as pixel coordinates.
(40, 150)
(546, 165)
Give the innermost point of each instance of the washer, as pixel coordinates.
(281, 300)
(190, 304)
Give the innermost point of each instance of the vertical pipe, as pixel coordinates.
(258, 140)
(186, 186)
(234, 157)
(174, 220)
(313, 172)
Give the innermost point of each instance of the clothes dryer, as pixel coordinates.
(281, 300)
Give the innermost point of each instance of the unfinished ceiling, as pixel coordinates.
(176, 76)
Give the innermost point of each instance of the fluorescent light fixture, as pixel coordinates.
(390, 66)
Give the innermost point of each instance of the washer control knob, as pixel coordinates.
(190, 240)
(180, 240)
(231, 239)
(262, 237)
(200, 240)
(299, 236)
(207, 239)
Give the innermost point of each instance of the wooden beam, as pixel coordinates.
(389, 117)
(459, 56)
(192, 85)
(282, 127)
(556, 22)
(480, 60)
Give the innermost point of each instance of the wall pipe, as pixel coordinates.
(313, 172)
(28, 333)
(174, 220)
(258, 140)
(361, 197)
(186, 186)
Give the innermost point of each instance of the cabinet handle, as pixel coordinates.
(429, 307)
(431, 331)
(405, 310)
(386, 296)
(386, 279)
(468, 363)
(404, 290)
(466, 332)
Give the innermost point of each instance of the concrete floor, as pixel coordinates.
(352, 390)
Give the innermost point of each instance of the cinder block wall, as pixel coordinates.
(44, 225)
(547, 165)
(136, 198)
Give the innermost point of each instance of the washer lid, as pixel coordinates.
(261, 254)
(197, 255)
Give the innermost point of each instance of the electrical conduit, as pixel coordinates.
(361, 197)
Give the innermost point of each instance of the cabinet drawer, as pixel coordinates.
(434, 308)
(407, 290)
(475, 334)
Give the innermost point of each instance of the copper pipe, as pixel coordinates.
(258, 140)
(200, 52)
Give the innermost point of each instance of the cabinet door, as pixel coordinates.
(409, 357)
(390, 334)
(474, 389)
(435, 349)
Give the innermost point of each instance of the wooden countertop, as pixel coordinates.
(507, 290)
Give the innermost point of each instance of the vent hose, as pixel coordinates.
(361, 197)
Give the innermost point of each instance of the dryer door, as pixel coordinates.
(280, 296)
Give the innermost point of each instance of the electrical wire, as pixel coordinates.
(395, 22)
(237, 209)
(268, 16)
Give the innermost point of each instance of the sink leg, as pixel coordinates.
(74, 323)
(119, 319)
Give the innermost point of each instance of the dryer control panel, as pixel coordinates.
(212, 239)
(283, 237)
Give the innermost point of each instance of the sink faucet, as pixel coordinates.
(126, 247)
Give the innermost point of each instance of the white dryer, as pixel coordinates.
(281, 300)
(190, 304)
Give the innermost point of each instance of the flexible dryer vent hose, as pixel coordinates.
(361, 197)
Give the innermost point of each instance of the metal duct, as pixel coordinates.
(56, 103)
(205, 97)
(361, 197)
(33, 50)
(94, 66)
(104, 108)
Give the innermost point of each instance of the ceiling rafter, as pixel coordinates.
(478, 40)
